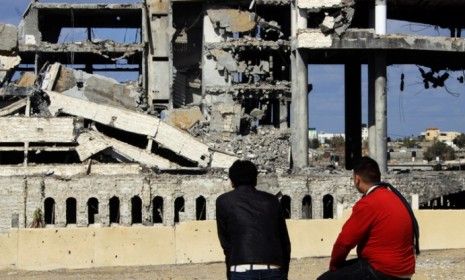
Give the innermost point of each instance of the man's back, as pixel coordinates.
(383, 227)
(251, 227)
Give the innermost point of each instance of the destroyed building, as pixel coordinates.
(215, 81)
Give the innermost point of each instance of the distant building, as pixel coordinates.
(324, 137)
(433, 134)
(312, 133)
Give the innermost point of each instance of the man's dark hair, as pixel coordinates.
(368, 169)
(243, 172)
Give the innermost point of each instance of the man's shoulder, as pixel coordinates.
(224, 196)
(267, 195)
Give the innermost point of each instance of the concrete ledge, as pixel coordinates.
(190, 242)
(367, 39)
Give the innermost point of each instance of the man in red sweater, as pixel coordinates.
(383, 228)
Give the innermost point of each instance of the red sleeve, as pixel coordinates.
(353, 231)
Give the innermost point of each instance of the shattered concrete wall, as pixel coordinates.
(23, 196)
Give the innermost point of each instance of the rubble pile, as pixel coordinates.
(268, 147)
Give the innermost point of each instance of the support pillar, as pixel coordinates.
(299, 118)
(381, 112)
(371, 111)
(300, 111)
(353, 114)
(159, 60)
(283, 114)
(380, 88)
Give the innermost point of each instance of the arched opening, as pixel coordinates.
(92, 210)
(178, 207)
(157, 215)
(71, 211)
(286, 206)
(328, 203)
(49, 211)
(136, 210)
(114, 210)
(201, 208)
(307, 207)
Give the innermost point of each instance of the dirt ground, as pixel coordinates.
(443, 264)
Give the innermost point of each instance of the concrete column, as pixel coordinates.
(371, 111)
(300, 112)
(381, 112)
(381, 17)
(380, 89)
(189, 208)
(317, 207)
(339, 210)
(103, 216)
(283, 113)
(60, 213)
(168, 211)
(415, 202)
(125, 211)
(353, 114)
(81, 212)
(299, 117)
(159, 60)
(211, 207)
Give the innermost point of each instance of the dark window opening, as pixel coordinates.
(136, 210)
(200, 208)
(92, 210)
(157, 215)
(328, 209)
(71, 211)
(178, 207)
(307, 207)
(286, 206)
(49, 211)
(114, 210)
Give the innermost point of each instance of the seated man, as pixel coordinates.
(383, 228)
(251, 228)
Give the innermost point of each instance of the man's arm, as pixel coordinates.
(354, 230)
(223, 235)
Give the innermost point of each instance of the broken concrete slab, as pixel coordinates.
(232, 20)
(318, 5)
(183, 144)
(89, 145)
(184, 118)
(13, 107)
(222, 160)
(249, 43)
(92, 142)
(7, 64)
(8, 38)
(90, 87)
(25, 129)
(119, 118)
(167, 136)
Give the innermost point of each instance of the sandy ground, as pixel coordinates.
(444, 264)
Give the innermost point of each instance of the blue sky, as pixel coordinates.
(409, 112)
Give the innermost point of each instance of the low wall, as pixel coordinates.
(189, 242)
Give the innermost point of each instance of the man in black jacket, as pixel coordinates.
(251, 228)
